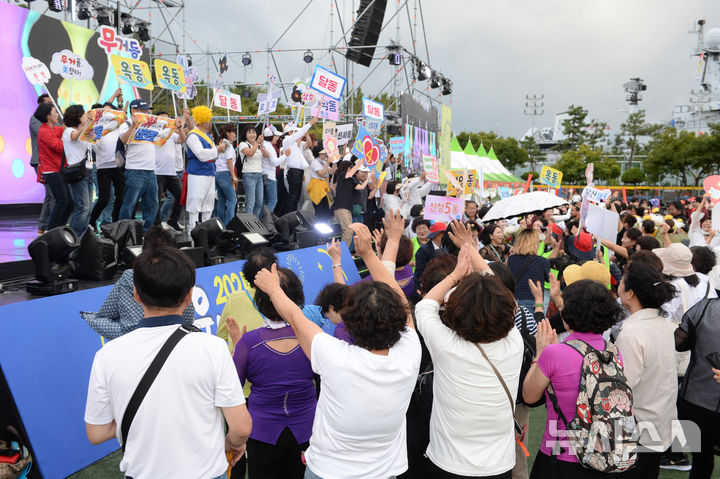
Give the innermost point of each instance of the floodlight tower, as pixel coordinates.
(633, 88)
(534, 107)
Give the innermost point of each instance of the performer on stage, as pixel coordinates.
(202, 153)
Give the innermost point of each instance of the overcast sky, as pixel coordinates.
(495, 51)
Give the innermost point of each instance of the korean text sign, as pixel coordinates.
(328, 83)
(596, 195)
(70, 65)
(373, 109)
(397, 145)
(35, 71)
(443, 208)
(170, 76)
(132, 72)
(459, 176)
(551, 177)
(111, 42)
(226, 99)
(344, 133)
(103, 122)
(152, 129)
(330, 110)
(368, 148)
(432, 168)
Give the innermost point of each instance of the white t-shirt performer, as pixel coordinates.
(202, 153)
(178, 430)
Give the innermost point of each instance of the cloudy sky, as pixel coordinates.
(495, 51)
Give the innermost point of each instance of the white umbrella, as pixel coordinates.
(523, 204)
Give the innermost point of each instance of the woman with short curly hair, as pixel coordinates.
(359, 427)
(471, 426)
(587, 310)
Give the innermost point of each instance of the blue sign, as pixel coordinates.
(47, 349)
(328, 83)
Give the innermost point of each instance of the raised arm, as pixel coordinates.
(617, 249)
(305, 330)
(335, 253)
(460, 235)
(462, 269)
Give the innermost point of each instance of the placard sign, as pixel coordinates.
(596, 195)
(328, 83)
(69, 65)
(103, 122)
(132, 72)
(459, 177)
(229, 100)
(368, 148)
(397, 145)
(330, 110)
(504, 192)
(711, 185)
(170, 76)
(432, 168)
(443, 208)
(344, 133)
(373, 109)
(35, 71)
(110, 41)
(152, 129)
(602, 222)
(331, 147)
(551, 177)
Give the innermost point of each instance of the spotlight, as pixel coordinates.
(96, 258)
(55, 5)
(212, 237)
(127, 26)
(423, 71)
(50, 253)
(125, 234)
(103, 16)
(143, 31)
(246, 59)
(447, 86)
(435, 80)
(83, 11)
(308, 57)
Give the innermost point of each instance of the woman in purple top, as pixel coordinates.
(331, 300)
(282, 398)
(587, 309)
(403, 269)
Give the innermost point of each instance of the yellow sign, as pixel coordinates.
(132, 72)
(551, 177)
(459, 177)
(169, 75)
(445, 136)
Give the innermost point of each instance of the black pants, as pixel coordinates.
(418, 438)
(276, 461)
(646, 467)
(173, 185)
(295, 181)
(322, 210)
(438, 473)
(105, 178)
(546, 467)
(708, 421)
(63, 202)
(281, 192)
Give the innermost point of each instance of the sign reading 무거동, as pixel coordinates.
(443, 208)
(328, 83)
(69, 65)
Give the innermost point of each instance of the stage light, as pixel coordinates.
(395, 58)
(435, 80)
(125, 234)
(246, 59)
(212, 237)
(95, 259)
(83, 11)
(308, 57)
(50, 253)
(143, 31)
(423, 71)
(127, 24)
(324, 229)
(447, 86)
(104, 16)
(55, 5)
(253, 239)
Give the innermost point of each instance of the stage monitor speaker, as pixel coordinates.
(95, 258)
(247, 223)
(366, 31)
(196, 255)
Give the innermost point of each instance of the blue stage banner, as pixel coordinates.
(47, 349)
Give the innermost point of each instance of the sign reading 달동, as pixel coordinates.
(328, 83)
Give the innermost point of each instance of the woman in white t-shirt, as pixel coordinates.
(225, 178)
(359, 426)
(78, 152)
(253, 151)
(472, 429)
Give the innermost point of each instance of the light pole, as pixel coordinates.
(534, 107)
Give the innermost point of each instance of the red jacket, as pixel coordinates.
(50, 148)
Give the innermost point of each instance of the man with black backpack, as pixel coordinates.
(163, 390)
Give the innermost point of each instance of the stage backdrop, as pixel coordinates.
(26, 33)
(47, 349)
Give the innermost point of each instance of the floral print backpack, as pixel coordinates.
(603, 434)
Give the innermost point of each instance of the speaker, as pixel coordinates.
(247, 223)
(366, 31)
